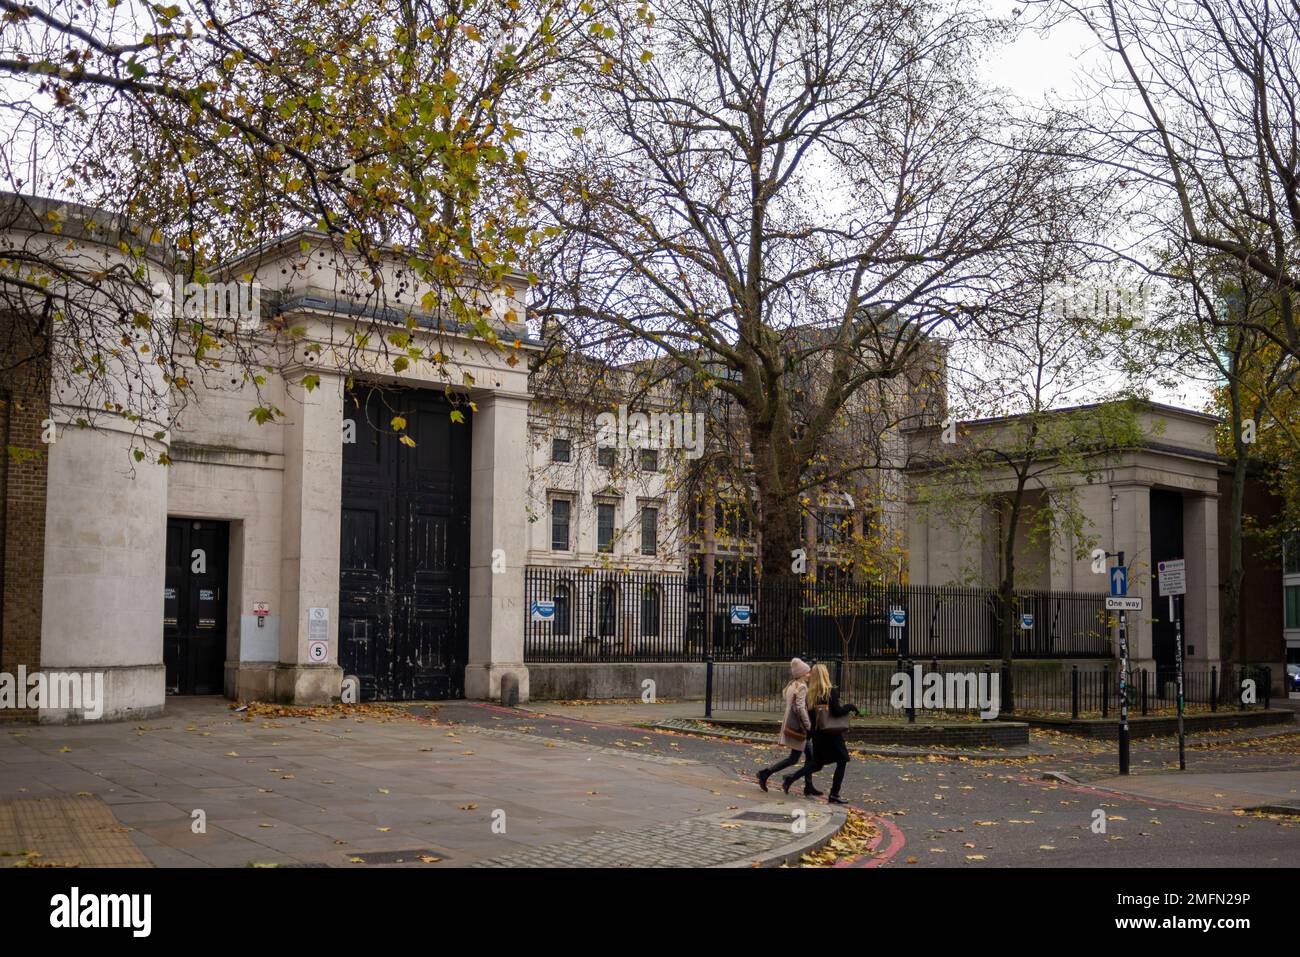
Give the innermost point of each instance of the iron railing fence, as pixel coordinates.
(580, 615)
(969, 688)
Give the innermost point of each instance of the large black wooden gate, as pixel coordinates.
(404, 561)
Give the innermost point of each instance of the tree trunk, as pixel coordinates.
(781, 527)
(1007, 593)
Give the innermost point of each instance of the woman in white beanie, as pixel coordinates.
(795, 725)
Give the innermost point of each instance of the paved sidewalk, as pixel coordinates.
(766, 836)
(1233, 789)
(379, 787)
(623, 712)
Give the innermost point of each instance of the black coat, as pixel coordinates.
(837, 710)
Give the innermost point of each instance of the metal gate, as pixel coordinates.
(404, 557)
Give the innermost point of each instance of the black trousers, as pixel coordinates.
(827, 748)
(792, 760)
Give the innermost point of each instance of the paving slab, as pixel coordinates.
(1236, 790)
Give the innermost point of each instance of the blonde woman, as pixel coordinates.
(823, 699)
(795, 726)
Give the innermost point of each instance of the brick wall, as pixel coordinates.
(22, 527)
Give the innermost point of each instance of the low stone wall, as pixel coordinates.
(1158, 726)
(957, 734)
(569, 681)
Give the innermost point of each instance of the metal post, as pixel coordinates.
(709, 645)
(1074, 693)
(1144, 692)
(1214, 688)
(911, 697)
(1123, 692)
(1176, 609)
(708, 684)
(1268, 687)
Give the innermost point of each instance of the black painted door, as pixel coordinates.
(404, 556)
(194, 606)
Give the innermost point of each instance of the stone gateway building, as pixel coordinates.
(373, 527)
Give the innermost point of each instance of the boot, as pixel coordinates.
(763, 775)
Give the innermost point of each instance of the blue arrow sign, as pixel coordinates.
(1118, 581)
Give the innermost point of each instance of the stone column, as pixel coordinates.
(498, 493)
(1201, 603)
(1131, 534)
(105, 555)
(918, 543)
(311, 521)
(1060, 572)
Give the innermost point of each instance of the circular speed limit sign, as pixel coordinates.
(318, 651)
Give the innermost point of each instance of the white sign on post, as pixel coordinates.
(1173, 577)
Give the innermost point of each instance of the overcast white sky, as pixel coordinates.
(1039, 65)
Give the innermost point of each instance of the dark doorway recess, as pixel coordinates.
(194, 606)
(1166, 545)
(404, 557)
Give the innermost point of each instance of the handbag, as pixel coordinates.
(794, 732)
(827, 723)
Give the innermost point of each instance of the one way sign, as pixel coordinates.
(1118, 581)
